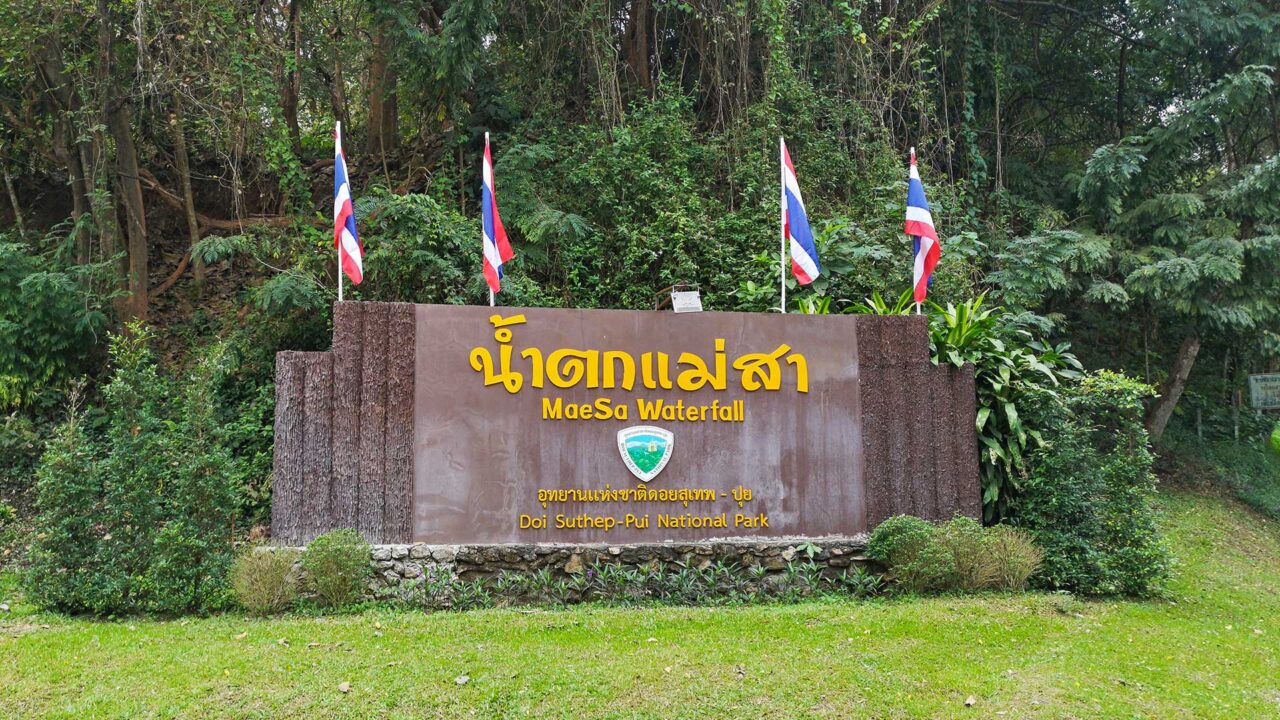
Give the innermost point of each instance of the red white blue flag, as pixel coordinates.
(795, 225)
(345, 239)
(497, 249)
(920, 227)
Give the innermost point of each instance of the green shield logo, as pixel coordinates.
(645, 450)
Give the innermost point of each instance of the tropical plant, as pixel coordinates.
(1012, 369)
(876, 305)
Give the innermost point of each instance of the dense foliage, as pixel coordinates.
(1089, 498)
(140, 517)
(337, 565)
(1012, 370)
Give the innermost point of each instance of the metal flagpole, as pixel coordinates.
(483, 162)
(782, 225)
(337, 139)
(917, 308)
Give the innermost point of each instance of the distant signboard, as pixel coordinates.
(688, 301)
(1264, 391)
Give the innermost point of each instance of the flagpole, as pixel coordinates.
(491, 298)
(917, 308)
(337, 141)
(782, 226)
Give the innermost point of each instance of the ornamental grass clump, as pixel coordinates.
(1014, 557)
(959, 555)
(263, 580)
(969, 546)
(337, 566)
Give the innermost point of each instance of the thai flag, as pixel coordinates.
(345, 239)
(795, 224)
(920, 227)
(497, 250)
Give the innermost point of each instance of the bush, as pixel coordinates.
(1014, 557)
(337, 566)
(1088, 500)
(49, 323)
(142, 521)
(958, 555)
(909, 550)
(262, 579)
(1013, 372)
(966, 541)
(20, 445)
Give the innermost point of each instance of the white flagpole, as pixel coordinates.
(782, 225)
(337, 141)
(482, 236)
(917, 308)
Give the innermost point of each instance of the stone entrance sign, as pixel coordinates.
(477, 425)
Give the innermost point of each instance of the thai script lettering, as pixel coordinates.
(613, 369)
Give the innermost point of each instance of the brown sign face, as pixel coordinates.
(472, 425)
(536, 425)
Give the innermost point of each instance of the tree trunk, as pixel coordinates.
(375, 146)
(65, 147)
(291, 87)
(1171, 390)
(338, 88)
(130, 188)
(636, 44)
(182, 165)
(1121, 82)
(68, 153)
(115, 121)
(13, 199)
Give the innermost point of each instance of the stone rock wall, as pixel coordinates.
(393, 565)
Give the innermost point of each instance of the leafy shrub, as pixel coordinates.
(143, 520)
(859, 583)
(262, 579)
(966, 541)
(1014, 557)
(1013, 371)
(908, 548)
(20, 447)
(1088, 499)
(8, 532)
(337, 566)
(49, 320)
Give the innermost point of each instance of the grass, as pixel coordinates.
(1211, 650)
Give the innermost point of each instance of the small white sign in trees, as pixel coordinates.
(1264, 391)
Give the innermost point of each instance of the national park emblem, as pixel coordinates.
(645, 450)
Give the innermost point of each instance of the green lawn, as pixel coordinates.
(1213, 650)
